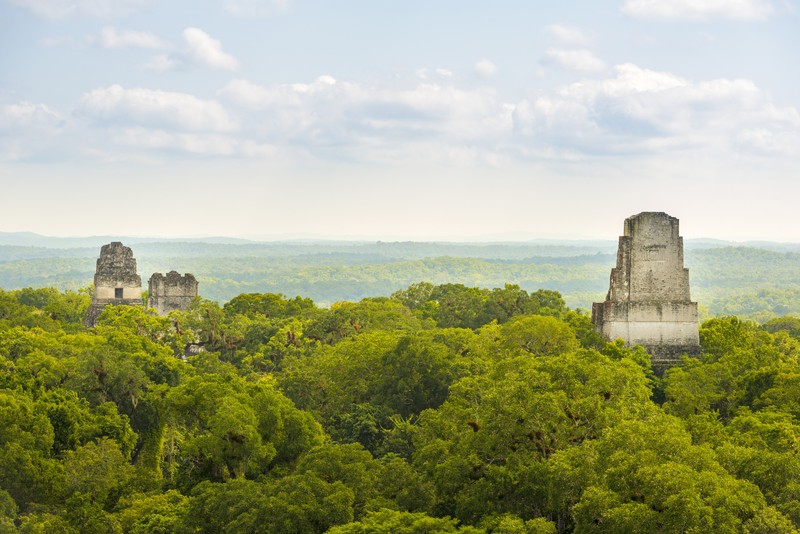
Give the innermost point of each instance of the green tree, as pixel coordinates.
(485, 448)
(295, 503)
(539, 335)
(394, 522)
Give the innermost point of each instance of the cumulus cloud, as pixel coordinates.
(369, 121)
(120, 107)
(255, 8)
(149, 120)
(699, 9)
(630, 110)
(208, 51)
(57, 9)
(485, 68)
(580, 60)
(200, 49)
(113, 38)
(634, 110)
(642, 110)
(568, 35)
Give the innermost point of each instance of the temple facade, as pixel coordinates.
(115, 280)
(648, 301)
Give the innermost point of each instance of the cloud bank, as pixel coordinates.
(628, 110)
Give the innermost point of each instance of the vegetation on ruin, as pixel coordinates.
(441, 408)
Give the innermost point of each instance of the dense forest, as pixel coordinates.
(440, 408)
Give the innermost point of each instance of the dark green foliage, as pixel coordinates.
(445, 408)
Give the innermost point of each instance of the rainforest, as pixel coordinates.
(438, 408)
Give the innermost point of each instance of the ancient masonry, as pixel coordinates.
(171, 292)
(116, 282)
(648, 300)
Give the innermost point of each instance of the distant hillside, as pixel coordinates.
(750, 281)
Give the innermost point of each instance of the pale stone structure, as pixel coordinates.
(115, 280)
(171, 292)
(648, 300)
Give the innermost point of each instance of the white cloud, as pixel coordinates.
(631, 111)
(568, 35)
(162, 63)
(57, 9)
(433, 120)
(208, 51)
(113, 38)
(581, 60)
(255, 8)
(485, 68)
(120, 107)
(640, 111)
(699, 9)
(26, 116)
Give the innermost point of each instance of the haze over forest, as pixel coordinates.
(757, 280)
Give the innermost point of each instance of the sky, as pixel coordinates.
(421, 119)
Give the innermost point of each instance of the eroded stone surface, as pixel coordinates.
(171, 292)
(648, 301)
(115, 280)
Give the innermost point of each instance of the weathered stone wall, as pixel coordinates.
(115, 280)
(171, 292)
(648, 301)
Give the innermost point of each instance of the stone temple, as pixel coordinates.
(115, 280)
(648, 300)
(171, 292)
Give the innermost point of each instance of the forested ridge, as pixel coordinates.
(441, 408)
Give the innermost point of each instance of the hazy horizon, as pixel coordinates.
(300, 238)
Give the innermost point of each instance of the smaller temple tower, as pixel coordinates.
(115, 280)
(648, 301)
(171, 292)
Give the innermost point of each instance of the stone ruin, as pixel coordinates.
(648, 300)
(116, 282)
(171, 292)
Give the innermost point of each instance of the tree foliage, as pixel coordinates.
(444, 408)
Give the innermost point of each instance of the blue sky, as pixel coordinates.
(455, 119)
